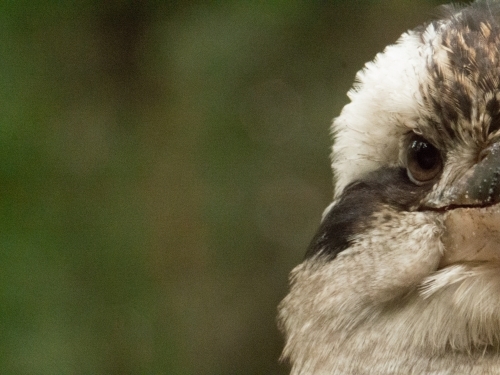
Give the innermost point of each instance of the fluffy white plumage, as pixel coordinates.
(403, 276)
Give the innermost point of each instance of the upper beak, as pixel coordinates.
(471, 218)
(479, 186)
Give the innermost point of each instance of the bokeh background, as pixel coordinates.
(163, 167)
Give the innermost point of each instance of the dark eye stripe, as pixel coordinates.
(359, 201)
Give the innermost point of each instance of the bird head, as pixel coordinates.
(407, 257)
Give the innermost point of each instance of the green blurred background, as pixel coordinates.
(163, 167)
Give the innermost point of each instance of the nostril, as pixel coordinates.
(492, 151)
(483, 154)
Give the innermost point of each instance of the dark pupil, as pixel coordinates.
(425, 154)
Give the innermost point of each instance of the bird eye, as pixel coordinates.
(423, 160)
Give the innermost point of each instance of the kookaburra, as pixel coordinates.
(403, 275)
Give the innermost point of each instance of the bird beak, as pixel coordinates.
(471, 217)
(477, 187)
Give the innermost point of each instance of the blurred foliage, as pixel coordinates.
(163, 167)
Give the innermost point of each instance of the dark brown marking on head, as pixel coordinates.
(493, 109)
(464, 73)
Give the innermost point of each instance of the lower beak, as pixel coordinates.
(471, 217)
